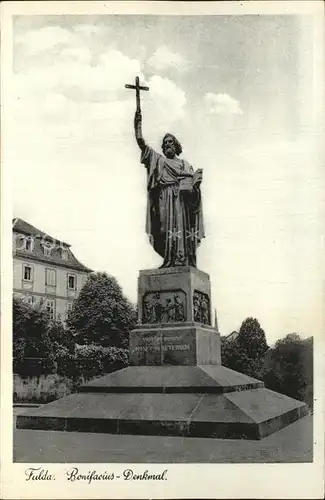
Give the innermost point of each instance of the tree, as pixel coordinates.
(32, 350)
(30, 330)
(234, 356)
(101, 313)
(60, 338)
(251, 338)
(289, 367)
(245, 353)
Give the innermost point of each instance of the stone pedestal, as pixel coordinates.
(174, 294)
(175, 319)
(176, 384)
(182, 345)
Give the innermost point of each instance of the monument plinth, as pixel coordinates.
(175, 384)
(174, 345)
(174, 294)
(174, 307)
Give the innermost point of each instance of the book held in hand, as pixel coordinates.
(188, 181)
(197, 176)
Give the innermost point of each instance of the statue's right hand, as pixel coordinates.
(138, 116)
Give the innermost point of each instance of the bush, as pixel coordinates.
(44, 350)
(90, 361)
(33, 367)
(289, 368)
(76, 368)
(31, 384)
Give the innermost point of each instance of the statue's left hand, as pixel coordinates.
(198, 175)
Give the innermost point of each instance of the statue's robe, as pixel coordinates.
(174, 221)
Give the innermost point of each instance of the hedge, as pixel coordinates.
(88, 362)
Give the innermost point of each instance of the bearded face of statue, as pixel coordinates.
(169, 148)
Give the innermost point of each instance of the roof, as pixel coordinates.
(232, 336)
(22, 227)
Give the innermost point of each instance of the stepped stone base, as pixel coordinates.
(173, 379)
(176, 384)
(197, 401)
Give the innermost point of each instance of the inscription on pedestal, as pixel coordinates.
(164, 307)
(155, 343)
(175, 345)
(201, 308)
(163, 348)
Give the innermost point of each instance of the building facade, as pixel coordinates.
(45, 270)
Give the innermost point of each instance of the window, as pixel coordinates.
(71, 282)
(28, 244)
(50, 277)
(50, 306)
(64, 253)
(18, 242)
(47, 248)
(27, 273)
(69, 307)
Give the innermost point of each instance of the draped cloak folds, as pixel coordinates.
(174, 219)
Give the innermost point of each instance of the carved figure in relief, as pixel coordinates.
(196, 307)
(170, 310)
(201, 308)
(204, 310)
(146, 310)
(158, 310)
(179, 308)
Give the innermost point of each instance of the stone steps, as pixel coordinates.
(108, 405)
(209, 379)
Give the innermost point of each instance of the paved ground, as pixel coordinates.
(292, 444)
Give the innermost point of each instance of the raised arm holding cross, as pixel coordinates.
(138, 116)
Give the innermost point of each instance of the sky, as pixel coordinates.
(239, 92)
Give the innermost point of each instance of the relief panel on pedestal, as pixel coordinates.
(164, 307)
(201, 308)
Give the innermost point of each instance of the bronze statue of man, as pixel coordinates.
(174, 220)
